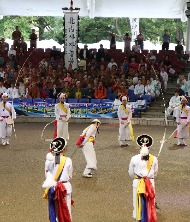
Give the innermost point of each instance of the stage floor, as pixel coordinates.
(107, 197)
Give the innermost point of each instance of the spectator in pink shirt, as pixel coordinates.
(68, 78)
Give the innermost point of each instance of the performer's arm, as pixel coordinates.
(57, 112)
(13, 112)
(68, 114)
(131, 168)
(70, 170)
(188, 116)
(130, 114)
(155, 166)
(119, 113)
(89, 133)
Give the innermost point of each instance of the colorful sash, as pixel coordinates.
(141, 189)
(5, 107)
(62, 107)
(184, 110)
(82, 137)
(124, 109)
(57, 175)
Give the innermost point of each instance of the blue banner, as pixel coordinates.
(85, 110)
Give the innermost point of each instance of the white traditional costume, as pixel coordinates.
(173, 105)
(62, 113)
(143, 168)
(125, 116)
(86, 141)
(183, 120)
(7, 114)
(58, 173)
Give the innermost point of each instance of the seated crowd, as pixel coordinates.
(99, 75)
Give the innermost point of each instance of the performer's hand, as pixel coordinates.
(126, 125)
(81, 146)
(122, 122)
(60, 118)
(178, 123)
(187, 124)
(1, 120)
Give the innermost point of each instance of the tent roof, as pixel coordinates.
(96, 8)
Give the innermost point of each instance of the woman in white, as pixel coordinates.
(157, 86)
(149, 89)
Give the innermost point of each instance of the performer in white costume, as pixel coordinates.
(183, 120)
(58, 173)
(7, 116)
(125, 115)
(143, 168)
(86, 142)
(62, 113)
(173, 104)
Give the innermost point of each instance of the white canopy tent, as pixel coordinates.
(97, 8)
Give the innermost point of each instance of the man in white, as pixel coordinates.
(136, 47)
(58, 173)
(164, 76)
(125, 115)
(139, 89)
(183, 120)
(12, 92)
(173, 104)
(86, 141)
(7, 114)
(143, 168)
(62, 113)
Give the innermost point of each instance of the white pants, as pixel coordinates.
(170, 109)
(124, 133)
(135, 195)
(165, 85)
(62, 129)
(5, 131)
(183, 131)
(90, 156)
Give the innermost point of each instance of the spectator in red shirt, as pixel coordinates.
(100, 91)
(133, 64)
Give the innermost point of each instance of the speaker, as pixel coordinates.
(187, 12)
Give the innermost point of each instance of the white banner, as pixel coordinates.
(134, 22)
(71, 37)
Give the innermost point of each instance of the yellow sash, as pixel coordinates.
(5, 107)
(59, 170)
(184, 110)
(141, 189)
(62, 107)
(125, 110)
(91, 138)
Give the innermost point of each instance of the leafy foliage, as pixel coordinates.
(91, 30)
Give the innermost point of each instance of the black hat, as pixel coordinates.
(58, 145)
(144, 140)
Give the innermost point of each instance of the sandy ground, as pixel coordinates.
(107, 197)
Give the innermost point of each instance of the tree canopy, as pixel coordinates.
(91, 30)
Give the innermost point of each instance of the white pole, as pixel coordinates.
(188, 35)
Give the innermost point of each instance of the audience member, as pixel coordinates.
(174, 103)
(100, 91)
(112, 40)
(127, 43)
(165, 40)
(140, 39)
(33, 39)
(16, 36)
(178, 47)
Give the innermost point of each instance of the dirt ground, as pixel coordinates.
(107, 197)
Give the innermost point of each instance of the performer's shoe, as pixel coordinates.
(184, 143)
(8, 143)
(89, 175)
(3, 143)
(178, 144)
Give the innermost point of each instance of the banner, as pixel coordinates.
(71, 38)
(78, 110)
(134, 22)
